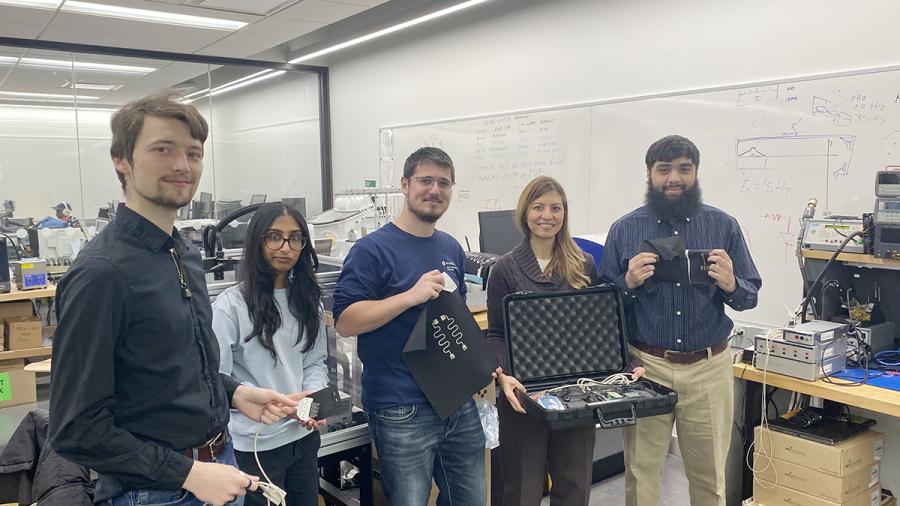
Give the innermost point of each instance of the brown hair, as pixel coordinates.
(127, 122)
(567, 259)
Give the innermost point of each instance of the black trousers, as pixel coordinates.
(528, 451)
(293, 467)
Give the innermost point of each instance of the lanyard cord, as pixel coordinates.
(185, 291)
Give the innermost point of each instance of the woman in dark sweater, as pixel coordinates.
(547, 260)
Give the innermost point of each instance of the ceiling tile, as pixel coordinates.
(136, 41)
(100, 31)
(25, 16)
(260, 41)
(320, 11)
(19, 30)
(284, 26)
(364, 3)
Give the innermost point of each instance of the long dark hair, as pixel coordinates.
(257, 279)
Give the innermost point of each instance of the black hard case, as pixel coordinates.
(553, 339)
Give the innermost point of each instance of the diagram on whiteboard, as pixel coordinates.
(823, 108)
(830, 154)
(757, 94)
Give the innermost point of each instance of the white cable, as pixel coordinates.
(585, 384)
(272, 493)
(618, 379)
(764, 454)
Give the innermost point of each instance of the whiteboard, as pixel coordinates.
(765, 149)
(496, 157)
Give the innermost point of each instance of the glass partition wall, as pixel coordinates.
(265, 140)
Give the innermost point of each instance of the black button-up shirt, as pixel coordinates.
(135, 363)
(679, 316)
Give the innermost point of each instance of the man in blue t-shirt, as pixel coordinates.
(387, 277)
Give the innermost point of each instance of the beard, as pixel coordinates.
(166, 197)
(171, 201)
(426, 215)
(674, 209)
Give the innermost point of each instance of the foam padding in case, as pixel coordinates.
(565, 334)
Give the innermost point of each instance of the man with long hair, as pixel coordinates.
(137, 395)
(679, 331)
(387, 277)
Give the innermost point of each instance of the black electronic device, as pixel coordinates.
(885, 241)
(816, 425)
(498, 232)
(868, 220)
(698, 267)
(807, 417)
(563, 345)
(34, 242)
(330, 403)
(5, 285)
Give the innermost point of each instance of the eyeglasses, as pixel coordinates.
(275, 241)
(426, 181)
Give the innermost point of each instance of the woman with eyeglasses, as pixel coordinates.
(271, 334)
(547, 260)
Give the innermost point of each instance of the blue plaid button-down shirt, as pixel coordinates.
(679, 316)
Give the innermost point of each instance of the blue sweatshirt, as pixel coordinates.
(382, 264)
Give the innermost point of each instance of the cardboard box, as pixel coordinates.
(769, 494)
(21, 332)
(843, 458)
(19, 308)
(17, 386)
(816, 483)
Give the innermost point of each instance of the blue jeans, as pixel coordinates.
(148, 497)
(414, 445)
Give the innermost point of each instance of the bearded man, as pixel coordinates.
(677, 330)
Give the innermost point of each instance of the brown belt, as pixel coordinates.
(682, 357)
(210, 449)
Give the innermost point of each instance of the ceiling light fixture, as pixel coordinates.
(67, 64)
(234, 85)
(385, 31)
(109, 110)
(44, 96)
(93, 86)
(169, 18)
(40, 4)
